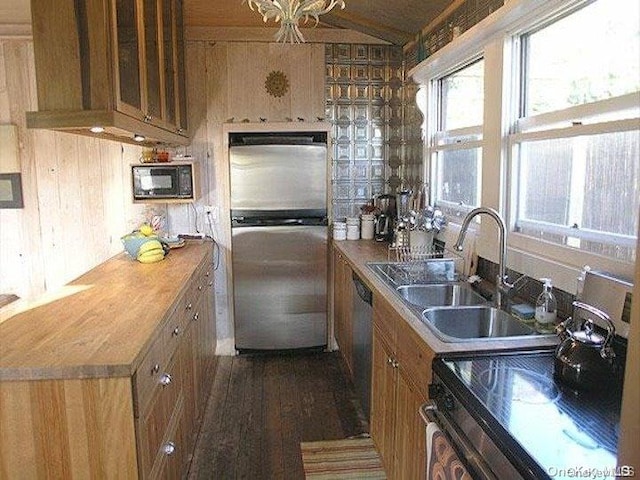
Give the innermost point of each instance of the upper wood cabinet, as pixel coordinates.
(116, 64)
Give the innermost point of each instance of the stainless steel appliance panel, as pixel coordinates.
(362, 340)
(278, 177)
(280, 287)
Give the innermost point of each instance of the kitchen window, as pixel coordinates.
(456, 146)
(575, 145)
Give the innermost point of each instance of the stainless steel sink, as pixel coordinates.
(467, 323)
(444, 294)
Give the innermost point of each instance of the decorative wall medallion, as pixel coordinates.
(276, 84)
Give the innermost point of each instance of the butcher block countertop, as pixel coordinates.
(102, 323)
(359, 252)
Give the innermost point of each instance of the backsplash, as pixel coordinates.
(377, 141)
(529, 289)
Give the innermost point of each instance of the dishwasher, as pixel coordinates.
(362, 339)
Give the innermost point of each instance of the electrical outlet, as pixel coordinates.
(211, 210)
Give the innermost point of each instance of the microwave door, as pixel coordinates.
(155, 182)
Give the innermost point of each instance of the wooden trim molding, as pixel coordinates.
(15, 31)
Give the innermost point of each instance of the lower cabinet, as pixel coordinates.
(343, 307)
(399, 385)
(168, 425)
(143, 425)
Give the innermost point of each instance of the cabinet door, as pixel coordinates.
(180, 74)
(383, 401)
(170, 59)
(153, 83)
(343, 290)
(126, 21)
(410, 437)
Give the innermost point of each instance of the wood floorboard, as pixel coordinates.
(262, 406)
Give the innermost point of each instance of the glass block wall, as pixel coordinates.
(377, 145)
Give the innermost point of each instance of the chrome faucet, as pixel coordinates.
(503, 287)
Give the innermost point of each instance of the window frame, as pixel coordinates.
(560, 124)
(437, 137)
(496, 39)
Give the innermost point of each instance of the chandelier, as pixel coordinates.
(290, 12)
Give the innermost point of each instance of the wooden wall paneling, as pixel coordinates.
(70, 239)
(218, 111)
(95, 244)
(280, 57)
(112, 192)
(318, 81)
(17, 95)
(300, 73)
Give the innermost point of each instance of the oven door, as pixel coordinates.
(475, 448)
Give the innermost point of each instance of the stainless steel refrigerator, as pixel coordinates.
(279, 240)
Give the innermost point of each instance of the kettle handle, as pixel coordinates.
(606, 351)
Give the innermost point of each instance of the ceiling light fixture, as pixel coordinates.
(290, 12)
(138, 138)
(97, 129)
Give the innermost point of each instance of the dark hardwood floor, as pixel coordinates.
(262, 406)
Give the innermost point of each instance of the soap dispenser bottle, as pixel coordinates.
(546, 308)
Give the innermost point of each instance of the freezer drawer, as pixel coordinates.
(280, 287)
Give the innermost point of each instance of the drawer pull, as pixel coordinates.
(165, 379)
(199, 288)
(196, 316)
(169, 448)
(207, 274)
(176, 332)
(189, 306)
(210, 282)
(155, 369)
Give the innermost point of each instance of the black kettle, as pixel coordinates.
(584, 358)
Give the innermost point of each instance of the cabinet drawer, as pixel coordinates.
(172, 457)
(414, 356)
(153, 425)
(148, 376)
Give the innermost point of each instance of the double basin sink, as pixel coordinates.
(451, 309)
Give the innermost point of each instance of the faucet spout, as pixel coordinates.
(502, 285)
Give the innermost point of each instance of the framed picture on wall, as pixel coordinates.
(11, 190)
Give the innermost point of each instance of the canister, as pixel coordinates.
(353, 228)
(339, 230)
(367, 226)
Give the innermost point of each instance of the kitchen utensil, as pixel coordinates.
(584, 358)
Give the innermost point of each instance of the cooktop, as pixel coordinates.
(564, 433)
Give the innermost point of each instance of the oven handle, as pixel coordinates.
(429, 413)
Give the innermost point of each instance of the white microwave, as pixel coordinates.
(169, 182)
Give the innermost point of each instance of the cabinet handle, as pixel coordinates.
(176, 332)
(180, 130)
(395, 364)
(210, 283)
(207, 274)
(199, 288)
(169, 448)
(165, 379)
(155, 369)
(189, 306)
(196, 316)
(390, 361)
(147, 118)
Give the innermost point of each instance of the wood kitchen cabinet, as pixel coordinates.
(401, 366)
(343, 307)
(116, 64)
(114, 382)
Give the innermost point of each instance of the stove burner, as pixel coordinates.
(526, 386)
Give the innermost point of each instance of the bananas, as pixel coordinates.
(150, 252)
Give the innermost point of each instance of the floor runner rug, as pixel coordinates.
(341, 460)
